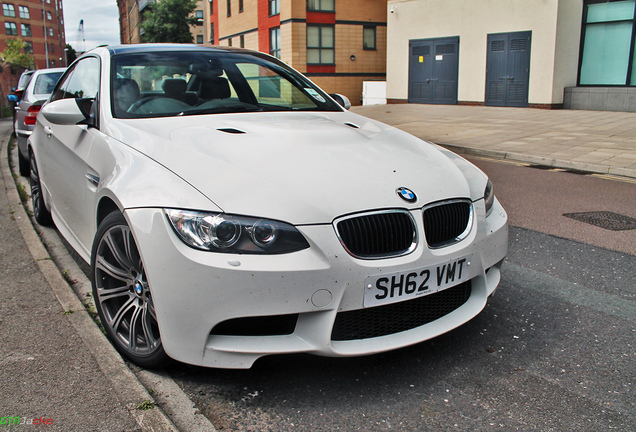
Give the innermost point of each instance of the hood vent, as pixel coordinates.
(231, 131)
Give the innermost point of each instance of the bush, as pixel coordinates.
(7, 111)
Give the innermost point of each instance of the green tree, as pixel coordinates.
(169, 21)
(71, 54)
(15, 56)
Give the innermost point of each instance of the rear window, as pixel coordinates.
(25, 78)
(45, 83)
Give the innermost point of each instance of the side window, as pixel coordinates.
(81, 82)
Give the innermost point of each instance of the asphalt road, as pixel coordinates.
(553, 350)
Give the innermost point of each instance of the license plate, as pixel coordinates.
(397, 287)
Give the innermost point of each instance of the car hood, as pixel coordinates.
(301, 168)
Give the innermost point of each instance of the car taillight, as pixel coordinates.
(32, 114)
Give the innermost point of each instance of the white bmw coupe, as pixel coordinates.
(230, 209)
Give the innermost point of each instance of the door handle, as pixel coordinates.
(48, 131)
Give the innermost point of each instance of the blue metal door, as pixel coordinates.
(508, 69)
(433, 70)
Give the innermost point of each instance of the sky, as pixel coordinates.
(101, 23)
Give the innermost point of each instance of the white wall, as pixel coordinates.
(472, 21)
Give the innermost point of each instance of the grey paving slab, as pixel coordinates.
(595, 141)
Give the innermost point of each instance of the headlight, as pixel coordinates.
(221, 232)
(489, 197)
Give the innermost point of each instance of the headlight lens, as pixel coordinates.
(221, 232)
(489, 197)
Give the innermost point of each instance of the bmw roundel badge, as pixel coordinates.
(406, 194)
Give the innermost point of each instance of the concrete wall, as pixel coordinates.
(600, 98)
(568, 40)
(555, 26)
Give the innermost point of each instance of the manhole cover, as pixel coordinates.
(604, 219)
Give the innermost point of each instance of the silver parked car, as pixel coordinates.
(37, 91)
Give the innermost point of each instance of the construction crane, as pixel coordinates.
(81, 41)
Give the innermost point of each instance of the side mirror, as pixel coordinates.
(342, 100)
(64, 112)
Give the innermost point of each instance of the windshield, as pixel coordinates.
(179, 83)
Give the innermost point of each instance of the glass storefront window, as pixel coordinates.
(614, 11)
(607, 44)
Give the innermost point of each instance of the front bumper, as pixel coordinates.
(195, 291)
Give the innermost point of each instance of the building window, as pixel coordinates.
(320, 44)
(368, 38)
(240, 6)
(25, 29)
(321, 5)
(212, 33)
(274, 42)
(8, 10)
(199, 15)
(274, 7)
(200, 39)
(52, 63)
(51, 48)
(28, 47)
(229, 42)
(49, 16)
(229, 8)
(51, 31)
(11, 29)
(24, 12)
(211, 7)
(608, 31)
(242, 41)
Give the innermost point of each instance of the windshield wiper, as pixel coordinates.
(221, 110)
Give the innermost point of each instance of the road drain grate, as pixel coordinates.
(605, 219)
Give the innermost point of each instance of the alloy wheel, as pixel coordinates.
(122, 293)
(40, 212)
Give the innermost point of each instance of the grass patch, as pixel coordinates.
(92, 312)
(24, 196)
(145, 405)
(68, 278)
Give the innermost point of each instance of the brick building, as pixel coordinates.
(131, 14)
(337, 43)
(39, 23)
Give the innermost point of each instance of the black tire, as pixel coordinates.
(24, 165)
(122, 294)
(40, 213)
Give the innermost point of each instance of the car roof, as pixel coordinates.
(137, 48)
(49, 70)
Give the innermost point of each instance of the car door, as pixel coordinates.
(63, 154)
